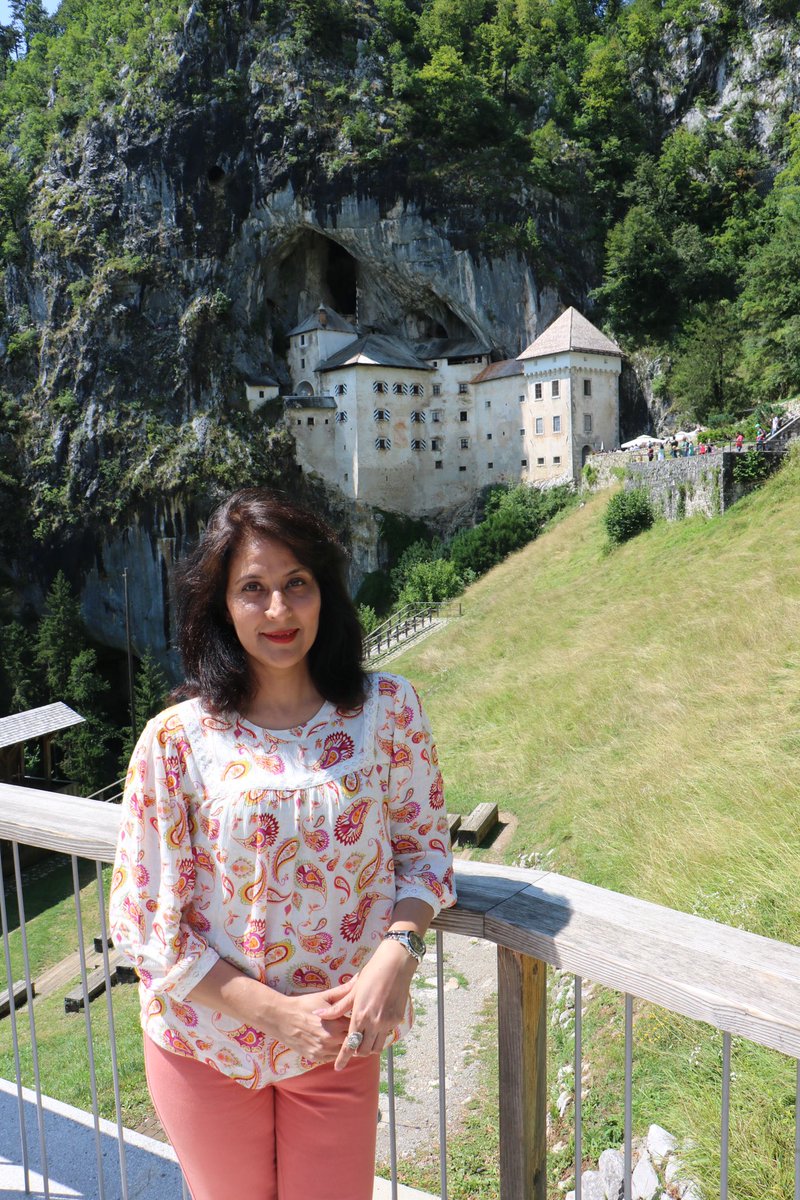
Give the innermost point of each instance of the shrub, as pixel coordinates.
(368, 618)
(590, 475)
(430, 582)
(628, 513)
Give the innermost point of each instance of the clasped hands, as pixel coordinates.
(372, 1003)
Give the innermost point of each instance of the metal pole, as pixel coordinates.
(134, 731)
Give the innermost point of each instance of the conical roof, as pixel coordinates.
(570, 331)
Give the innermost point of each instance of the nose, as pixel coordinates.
(277, 604)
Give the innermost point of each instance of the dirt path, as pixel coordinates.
(470, 976)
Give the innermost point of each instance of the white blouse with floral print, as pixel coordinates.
(283, 852)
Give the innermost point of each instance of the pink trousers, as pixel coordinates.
(311, 1137)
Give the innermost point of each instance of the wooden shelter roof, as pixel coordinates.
(37, 722)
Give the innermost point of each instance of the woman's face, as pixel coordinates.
(274, 603)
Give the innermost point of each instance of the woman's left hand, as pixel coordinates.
(377, 1003)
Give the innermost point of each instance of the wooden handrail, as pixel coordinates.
(733, 980)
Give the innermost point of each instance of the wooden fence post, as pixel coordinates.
(522, 1036)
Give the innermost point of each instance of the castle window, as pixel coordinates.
(464, 443)
(437, 389)
(540, 462)
(490, 466)
(521, 399)
(537, 391)
(381, 414)
(522, 432)
(416, 389)
(438, 464)
(417, 417)
(302, 339)
(524, 462)
(341, 417)
(587, 421)
(400, 389)
(488, 404)
(309, 420)
(556, 424)
(462, 468)
(436, 415)
(557, 461)
(419, 444)
(462, 416)
(383, 443)
(554, 388)
(299, 422)
(436, 443)
(261, 395)
(540, 425)
(488, 437)
(587, 387)
(340, 389)
(462, 389)
(380, 386)
(303, 364)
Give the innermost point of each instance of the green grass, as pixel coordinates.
(639, 713)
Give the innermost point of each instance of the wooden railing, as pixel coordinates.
(737, 982)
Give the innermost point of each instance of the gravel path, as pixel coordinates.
(470, 975)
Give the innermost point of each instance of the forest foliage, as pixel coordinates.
(556, 129)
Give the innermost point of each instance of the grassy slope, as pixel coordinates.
(639, 713)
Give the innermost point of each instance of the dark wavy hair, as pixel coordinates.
(215, 664)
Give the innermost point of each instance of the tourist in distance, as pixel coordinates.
(283, 848)
(739, 441)
(776, 424)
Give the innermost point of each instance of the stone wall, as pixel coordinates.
(679, 487)
(682, 487)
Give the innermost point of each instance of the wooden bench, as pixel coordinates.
(478, 824)
(20, 994)
(453, 824)
(95, 986)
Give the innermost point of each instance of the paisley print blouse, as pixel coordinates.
(282, 852)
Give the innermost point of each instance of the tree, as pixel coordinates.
(85, 746)
(60, 637)
(704, 378)
(431, 582)
(640, 294)
(18, 668)
(770, 304)
(150, 689)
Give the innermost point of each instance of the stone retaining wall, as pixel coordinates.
(683, 487)
(678, 487)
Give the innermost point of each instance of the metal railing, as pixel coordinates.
(736, 982)
(404, 625)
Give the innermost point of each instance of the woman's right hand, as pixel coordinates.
(298, 1024)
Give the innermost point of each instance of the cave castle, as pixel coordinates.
(418, 427)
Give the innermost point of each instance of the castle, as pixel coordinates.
(421, 426)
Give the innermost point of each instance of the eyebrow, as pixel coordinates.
(298, 570)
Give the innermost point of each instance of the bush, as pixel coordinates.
(430, 582)
(368, 618)
(628, 513)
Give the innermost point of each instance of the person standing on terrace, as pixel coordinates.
(283, 849)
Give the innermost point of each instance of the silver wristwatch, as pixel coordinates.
(412, 942)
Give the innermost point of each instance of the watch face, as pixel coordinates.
(416, 943)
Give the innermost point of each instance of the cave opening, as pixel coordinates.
(315, 270)
(342, 279)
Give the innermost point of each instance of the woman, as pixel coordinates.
(283, 849)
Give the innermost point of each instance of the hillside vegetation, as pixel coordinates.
(638, 713)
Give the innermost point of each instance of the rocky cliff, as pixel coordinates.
(174, 235)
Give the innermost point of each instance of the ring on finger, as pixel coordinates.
(354, 1040)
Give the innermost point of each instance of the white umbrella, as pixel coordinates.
(644, 439)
